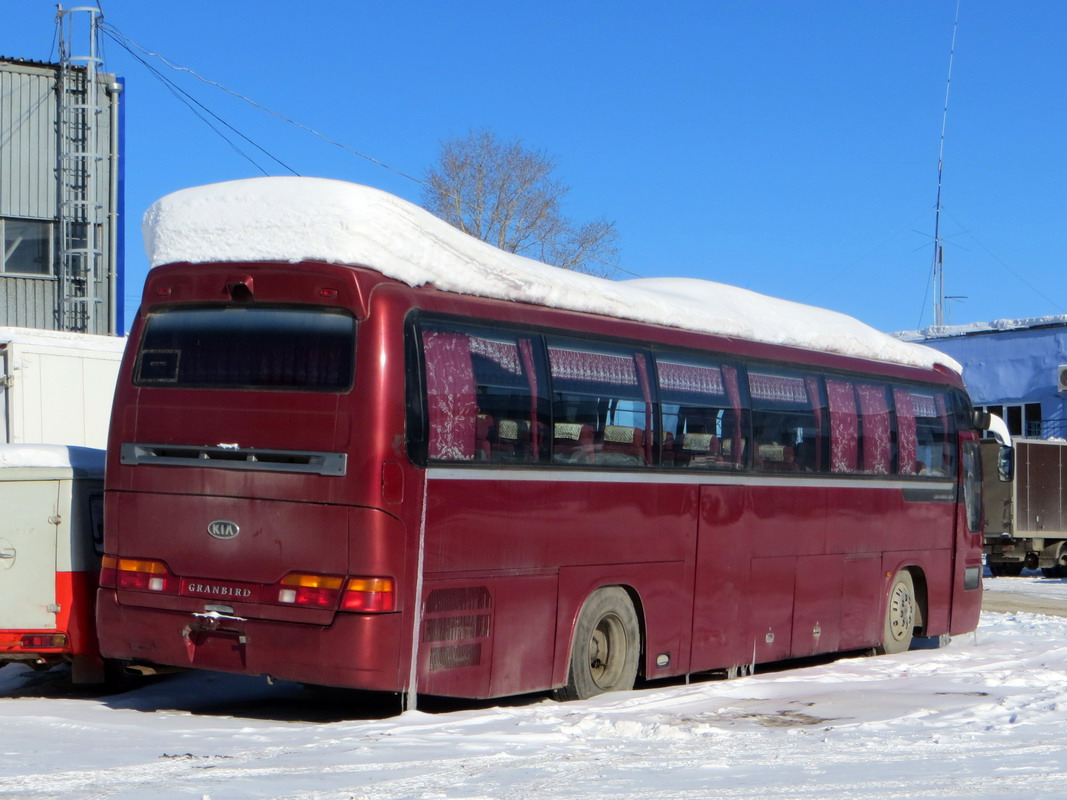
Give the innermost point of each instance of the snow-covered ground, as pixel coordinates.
(1031, 585)
(982, 718)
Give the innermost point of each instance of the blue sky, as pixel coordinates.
(787, 147)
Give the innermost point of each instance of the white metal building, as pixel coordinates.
(60, 196)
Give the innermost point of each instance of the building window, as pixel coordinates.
(1022, 419)
(27, 247)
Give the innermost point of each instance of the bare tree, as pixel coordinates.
(504, 194)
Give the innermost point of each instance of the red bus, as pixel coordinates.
(328, 468)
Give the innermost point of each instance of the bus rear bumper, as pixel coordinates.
(357, 651)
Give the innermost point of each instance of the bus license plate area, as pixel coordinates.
(223, 650)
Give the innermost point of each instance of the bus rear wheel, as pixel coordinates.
(900, 613)
(606, 648)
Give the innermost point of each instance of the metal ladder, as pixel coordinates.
(80, 159)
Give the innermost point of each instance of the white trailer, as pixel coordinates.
(51, 537)
(57, 387)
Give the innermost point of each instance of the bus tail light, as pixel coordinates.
(137, 574)
(369, 595)
(317, 591)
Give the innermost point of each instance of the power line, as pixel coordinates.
(129, 45)
(189, 101)
(126, 42)
(1005, 266)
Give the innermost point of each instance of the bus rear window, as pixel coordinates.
(226, 347)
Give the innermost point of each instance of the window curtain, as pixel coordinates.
(690, 378)
(811, 385)
(780, 388)
(844, 428)
(877, 438)
(907, 444)
(946, 431)
(646, 393)
(526, 354)
(733, 394)
(577, 365)
(451, 406)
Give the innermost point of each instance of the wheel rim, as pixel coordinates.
(901, 612)
(607, 649)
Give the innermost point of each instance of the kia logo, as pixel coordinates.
(223, 529)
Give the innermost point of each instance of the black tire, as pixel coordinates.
(1054, 572)
(1009, 569)
(900, 615)
(606, 647)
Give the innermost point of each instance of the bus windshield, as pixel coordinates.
(235, 347)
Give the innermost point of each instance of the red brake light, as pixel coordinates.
(137, 575)
(318, 591)
(369, 595)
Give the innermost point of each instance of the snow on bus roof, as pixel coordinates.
(316, 219)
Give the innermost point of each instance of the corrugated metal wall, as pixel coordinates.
(27, 142)
(28, 160)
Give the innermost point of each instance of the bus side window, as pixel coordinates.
(704, 421)
(926, 433)
(602, 410)
(789, 427)
(482, 397)
(512, 408)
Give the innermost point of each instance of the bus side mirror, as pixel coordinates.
(981, 420)
(1006, 463)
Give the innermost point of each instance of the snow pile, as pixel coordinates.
(79, 341)
(296, 219)
(86, 461)
(982, 718)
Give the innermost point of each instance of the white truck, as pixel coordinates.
(57, 387)
(51, 535)
(1026, 517)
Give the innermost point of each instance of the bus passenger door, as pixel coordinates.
(742, 602)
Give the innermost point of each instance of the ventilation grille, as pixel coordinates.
(459, 655)
(448, 619)
(465, 598)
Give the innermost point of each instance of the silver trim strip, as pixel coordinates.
(701, 479)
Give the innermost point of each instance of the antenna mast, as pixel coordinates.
(939, 263)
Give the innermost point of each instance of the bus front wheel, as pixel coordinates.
(900, 614)
(607, 646)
